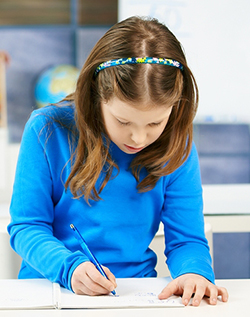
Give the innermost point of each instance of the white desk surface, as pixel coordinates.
(238, 305)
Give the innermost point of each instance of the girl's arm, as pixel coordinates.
(187, 250)
(32, 209)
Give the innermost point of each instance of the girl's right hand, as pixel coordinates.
(87, 280)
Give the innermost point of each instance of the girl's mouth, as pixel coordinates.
(133, 149)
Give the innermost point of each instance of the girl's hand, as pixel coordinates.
(87, 280)
(189, 284)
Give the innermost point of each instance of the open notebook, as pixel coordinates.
(42, 294)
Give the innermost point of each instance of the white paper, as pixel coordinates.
(42, 294)
(131, 292)
(26, 294)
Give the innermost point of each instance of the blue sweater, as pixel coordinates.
(118, 228)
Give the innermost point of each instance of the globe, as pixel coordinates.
(55, 83)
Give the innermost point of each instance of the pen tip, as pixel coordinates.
(72, 226)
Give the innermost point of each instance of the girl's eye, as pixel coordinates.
(155, 124)
(123, 123)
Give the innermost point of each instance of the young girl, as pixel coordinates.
(115, 158)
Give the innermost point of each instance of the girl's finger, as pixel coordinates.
(188, 291)
(223, 293)
(110, 276)
(213, 296)
(92, 288)
(97, 278)
(198, 295)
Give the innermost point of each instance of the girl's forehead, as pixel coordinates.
(129, 111)
(143, 106)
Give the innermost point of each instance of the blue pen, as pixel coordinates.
(89, 254)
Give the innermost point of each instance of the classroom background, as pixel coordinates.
(42, 35)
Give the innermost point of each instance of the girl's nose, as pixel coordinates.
(139, 137)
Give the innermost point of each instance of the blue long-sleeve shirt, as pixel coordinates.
(118, 228)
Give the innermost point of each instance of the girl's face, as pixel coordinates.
(133, 129)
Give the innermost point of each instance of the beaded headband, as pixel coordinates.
(139, 60)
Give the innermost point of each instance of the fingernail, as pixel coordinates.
(185, 301)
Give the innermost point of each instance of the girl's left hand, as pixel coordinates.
(189, 284)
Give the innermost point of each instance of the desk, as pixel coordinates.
(238, 305)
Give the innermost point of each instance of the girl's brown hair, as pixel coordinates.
(135, 84)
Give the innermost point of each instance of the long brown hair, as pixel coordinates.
(133, 37)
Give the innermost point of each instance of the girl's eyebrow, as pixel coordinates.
(122, 119)
(119, 118)
(126, 120)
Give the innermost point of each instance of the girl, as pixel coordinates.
(116, 158)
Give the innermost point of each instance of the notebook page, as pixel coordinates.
(131, 292)
(26, 294)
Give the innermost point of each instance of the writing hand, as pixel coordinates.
(87, 280)
(189, 284)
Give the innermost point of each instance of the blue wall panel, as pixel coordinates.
(86, 39)
(225, 169)
(31, 50)
(224, 152)
(232, 255)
